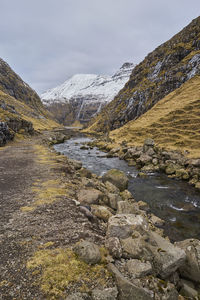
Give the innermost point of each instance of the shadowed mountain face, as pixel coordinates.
(21, 109)
(84, 95)
(161, 72)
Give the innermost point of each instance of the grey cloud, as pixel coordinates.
(48, 41)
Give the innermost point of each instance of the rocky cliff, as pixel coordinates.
(84, 95)
(161, 72)
(21, 109)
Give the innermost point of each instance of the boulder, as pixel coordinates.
(114, 247)
(116, 177)
(106, 294)
(156, 221)
(188, 290)
(113, 200)
(89, 196)
(133, 247)
(128, 290)
(111, 188)
(144, 159)
(88, 252)
(166, 258)
(138, 269)
(127, 207)
(126, 195)
(77, 296)
(101, 212)
(75, 163)
(85, 173)
(191, 267)
(123, 225)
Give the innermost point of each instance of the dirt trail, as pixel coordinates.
(34, 210)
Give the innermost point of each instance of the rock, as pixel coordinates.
(188, 290)
(149, 142)
(116, 177)
(123, 225)
(197, 185)
(85, 173)
(113, 200)
(131, 162)
(127, 207)
(126, 195)
(191, 268)
(111, 187)
(150, 152)
(166, 257)
(144, 159)
(133, 247)
(88, 252)
(138, 269)
(194, 162)
(85, 210)
(106, 294)
(114, 247)
(128, 290)
(76, 164)
(156, 221)
(77, 296)
(89, 196)
(172, 169)
(143, 205)
(101, 212)
(155, 161)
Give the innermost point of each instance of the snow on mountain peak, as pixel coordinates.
(101, 87)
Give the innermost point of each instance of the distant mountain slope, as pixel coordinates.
(161, 72)
(83, 95)
(174, 122)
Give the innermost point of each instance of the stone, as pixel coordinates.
(128, 290)
(116, 177)
(144, 159)
(156, 221)
(191, 268)
(150, 152)
(127, 207)
(149, 142)
(106, 294)
(197, 185)
(114, 247)
(111, 188)
(194, 162)
(138, 269)
(89, 196)
(188, 290)
(166, 258)
(77, 296)
(113, 199)
(143, 205)
(123, 225)
(101, 212)
(126, 195)
(133, 247)
(76, 164)
(85, 173)
(88, 252)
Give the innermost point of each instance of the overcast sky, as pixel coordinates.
(48, 41)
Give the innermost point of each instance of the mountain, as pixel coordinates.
(83, 95)
(21, 110)
(174, 122)
(161, 72)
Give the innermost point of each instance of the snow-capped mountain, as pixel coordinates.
(83, 95)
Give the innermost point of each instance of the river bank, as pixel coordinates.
(65, 231)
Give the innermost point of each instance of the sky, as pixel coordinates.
(47, 41)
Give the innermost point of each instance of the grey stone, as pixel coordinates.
(111, 187)
(126, 195)
(166, 257)
(149, 142)
(123, 225)
(116, 177)
(128, 290)
(113, 199)
(156, 221)
(89, 196)
(101, 212)
(138, 269)
(127, 207)
(88, 252)
(77, 164)
(188, 290)
(133, 247)
(106, 294)
(114, 247)
(77, 296)
(191, 268)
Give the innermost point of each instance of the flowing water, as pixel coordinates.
(174, 201)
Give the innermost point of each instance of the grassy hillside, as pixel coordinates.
(161, 72)
(174, 122)
(12, 109)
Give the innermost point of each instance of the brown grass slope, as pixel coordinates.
(174, 122)
(161, 72)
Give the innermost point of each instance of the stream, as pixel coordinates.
(173, 201)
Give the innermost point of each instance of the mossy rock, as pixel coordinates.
(116, 177)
